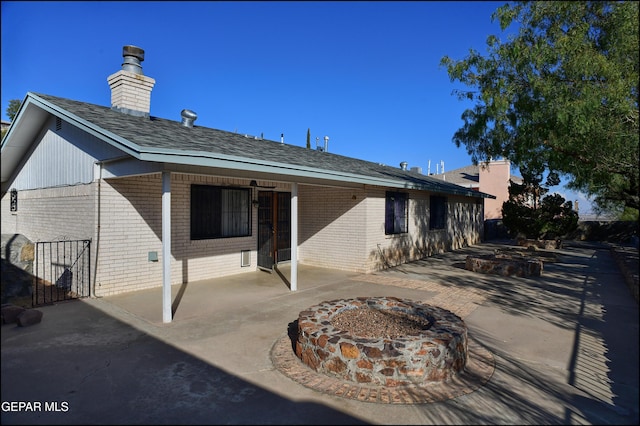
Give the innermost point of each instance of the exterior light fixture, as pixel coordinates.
(14, 200)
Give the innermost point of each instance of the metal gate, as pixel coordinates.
(61, 271)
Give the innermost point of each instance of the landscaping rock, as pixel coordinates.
(10, 313)
(16, 267)
(29, 317)
(543, 244)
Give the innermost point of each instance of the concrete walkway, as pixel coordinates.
(564, 348)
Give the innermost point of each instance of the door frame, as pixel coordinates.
(274, 228)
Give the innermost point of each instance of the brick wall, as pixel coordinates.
(332, 227)
(51, 214)
(131, 227)
(201, 259)
(338, 228)
(344, 229)
(464, 226)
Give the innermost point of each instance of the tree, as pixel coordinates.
(560, 95)
(531, 213)
(308, 138)
(12, 109)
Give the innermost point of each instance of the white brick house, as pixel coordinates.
(167, 202)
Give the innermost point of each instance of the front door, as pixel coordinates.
(274, 228)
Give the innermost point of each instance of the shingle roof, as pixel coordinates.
(153, 134)
(467, 176)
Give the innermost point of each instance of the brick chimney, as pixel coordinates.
(130, 88)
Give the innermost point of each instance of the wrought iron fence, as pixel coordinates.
(61, 271)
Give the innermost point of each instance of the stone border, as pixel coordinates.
(479, 369)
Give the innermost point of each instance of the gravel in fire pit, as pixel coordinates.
(375, 323)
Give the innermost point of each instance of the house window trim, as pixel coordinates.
(392, 228)
(202, 235)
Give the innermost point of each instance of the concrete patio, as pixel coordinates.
(564, 347)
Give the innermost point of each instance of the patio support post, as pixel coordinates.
(294, 236)
(166, 247)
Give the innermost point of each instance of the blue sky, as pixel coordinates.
(366, 74)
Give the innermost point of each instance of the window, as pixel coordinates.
(438, 212)
(218, 212)
(396, 218)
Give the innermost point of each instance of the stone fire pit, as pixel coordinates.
(434, 348)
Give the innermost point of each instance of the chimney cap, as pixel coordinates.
(135, 51)
(132, 55)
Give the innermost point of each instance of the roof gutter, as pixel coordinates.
(198, 158)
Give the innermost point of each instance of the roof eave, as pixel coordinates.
(215, 160)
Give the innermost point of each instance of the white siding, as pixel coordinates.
(63, 157)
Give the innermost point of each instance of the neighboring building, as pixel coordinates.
(5, 127)
(492, 178)
(168, 202)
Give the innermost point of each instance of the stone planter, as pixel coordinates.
(505, 266)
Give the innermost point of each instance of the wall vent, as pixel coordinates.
(58, 123)
(245, 258)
